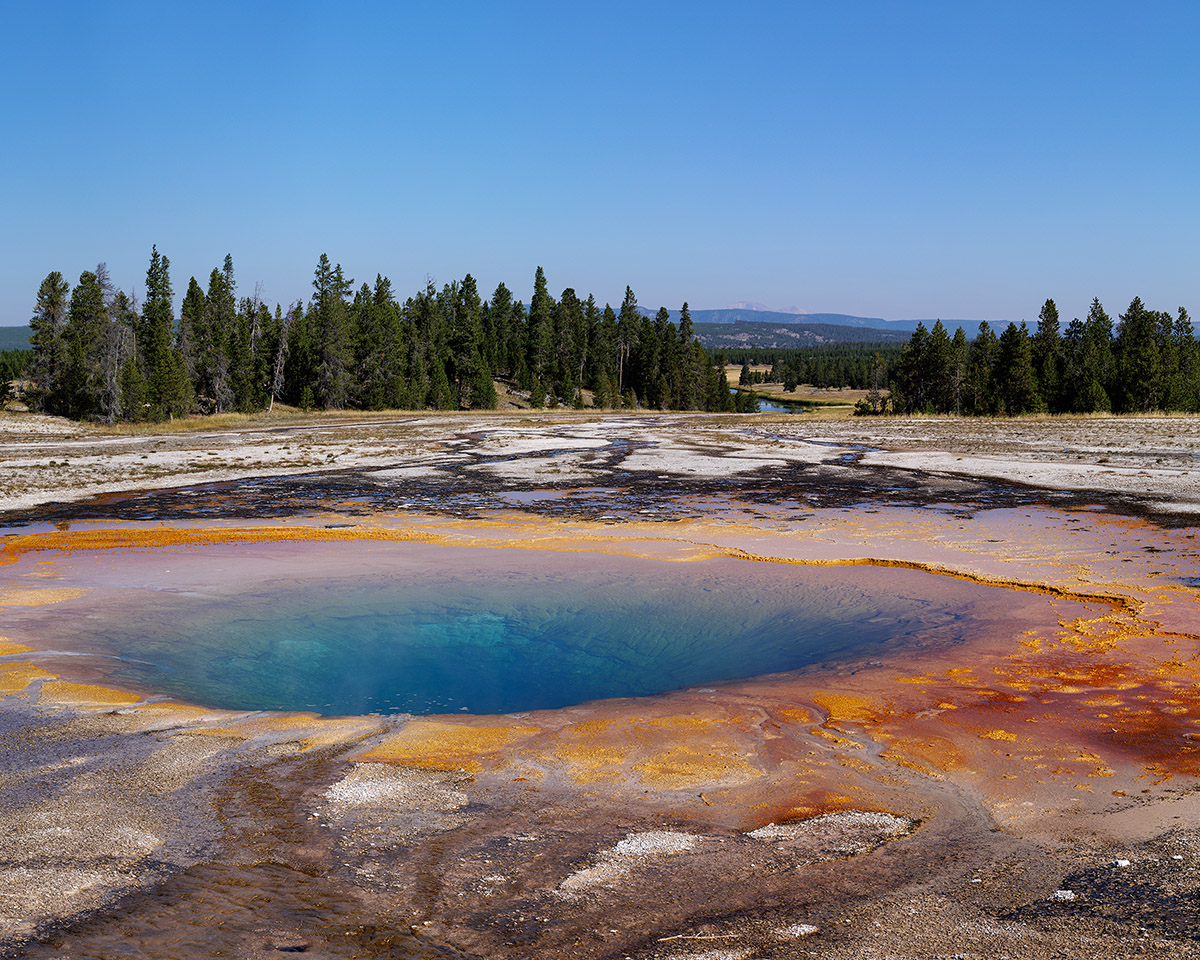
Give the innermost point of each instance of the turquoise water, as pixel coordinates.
(503, 631)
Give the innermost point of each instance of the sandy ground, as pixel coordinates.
(1032, 794)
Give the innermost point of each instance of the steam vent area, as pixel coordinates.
(716, 687)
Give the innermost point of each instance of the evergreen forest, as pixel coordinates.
(99, 354)
(1149, 360)
(856, 365)
(13, 363)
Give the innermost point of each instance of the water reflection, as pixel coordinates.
(766, 406)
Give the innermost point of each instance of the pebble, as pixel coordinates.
(796, 931)
(1064, 894)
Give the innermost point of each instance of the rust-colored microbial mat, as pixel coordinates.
(1035, 678)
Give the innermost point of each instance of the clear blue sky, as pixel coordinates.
(889, 159)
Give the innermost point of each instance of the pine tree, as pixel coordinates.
(393, 347)
(589, 344)
(603, 353)
(602, 391)
(501, 333)
(213, 349)
(1185, 385)
(300, 358)
(242, 345)
(377, 363)
(684, 386)
(1139, 365)
(936, 370)
(1090, 364)
(1017, 379)
(47, 340)
(537, 394)
(540, 344)
(192, 336)
(279, 355)
(334, 336)
(256, 333)
(720, 397)
(134, 402)
(87, 319)
(118, 348)
(746, 401)
(875, 399)
(570, 343)
(912, 387)
(982, 390)
(483, 389)
(628, 330)
(956, 371)
(168, 390)
(1047, 356)
(660, 359)
(466, 342)
(686, 330)
(441, 394)
(1168, 358)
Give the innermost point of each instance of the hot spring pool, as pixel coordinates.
(414, 628)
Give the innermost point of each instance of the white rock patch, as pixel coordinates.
(796, 931)
(882, 824)
(617, 862)
(372, 784)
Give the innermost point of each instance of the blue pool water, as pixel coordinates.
(424, 631)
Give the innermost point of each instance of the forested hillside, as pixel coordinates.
(1148, 361)
(857, 365)
(98, 354)
(743, 335)
(14, 338)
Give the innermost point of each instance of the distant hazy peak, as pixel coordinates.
(763, 308)
(750, 305)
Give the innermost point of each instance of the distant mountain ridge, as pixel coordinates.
(746, 334)
(15, 338)
(753, 314)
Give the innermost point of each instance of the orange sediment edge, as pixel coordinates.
(86, 540)
(440, 745)
(16, 677)
(844, 706)
(671, 753)
(67, 693)
(308, 730)
(1115, 600)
